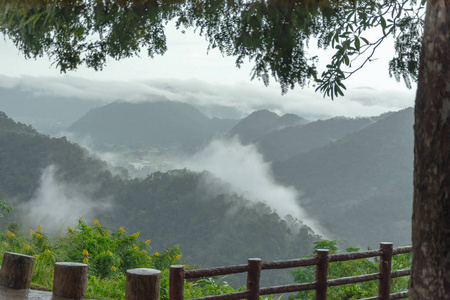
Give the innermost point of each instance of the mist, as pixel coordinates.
(56, 204)
(245, 172)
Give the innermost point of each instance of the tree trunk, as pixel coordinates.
(430, 278)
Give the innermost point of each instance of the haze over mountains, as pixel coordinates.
(352, 177)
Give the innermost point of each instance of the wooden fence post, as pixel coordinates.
(70, 280)
(322, 274)
(16, 271)
(253, 277)
(384, 288)
(143, 284)
(176, 282)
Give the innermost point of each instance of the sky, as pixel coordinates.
(186, 72)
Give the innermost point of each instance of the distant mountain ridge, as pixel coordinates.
(161, 124)
(262, 122)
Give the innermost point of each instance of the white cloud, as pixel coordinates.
(239, 96)
(247, 174)
(57, 204)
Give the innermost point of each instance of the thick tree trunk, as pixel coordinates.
(430, 277)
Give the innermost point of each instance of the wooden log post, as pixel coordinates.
(16, 271)
(176, 282)
(143, 284)
(384, 288)
(253, 277)
(70, 280)
(322, 274)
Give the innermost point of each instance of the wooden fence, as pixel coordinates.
(70, 278)
(254, 267)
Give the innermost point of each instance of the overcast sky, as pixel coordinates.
(187, 73)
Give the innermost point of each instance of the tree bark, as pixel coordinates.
(430, 278)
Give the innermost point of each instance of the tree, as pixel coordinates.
(274, 35)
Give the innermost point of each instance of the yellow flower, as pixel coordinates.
(136, 248)
(156, 254)
(28, 247)
(47, 251)
(85, 252)
(69, 229)
(113, 268)
(144, 251)
(106, 232)
(135, 234)
(60, 235)
(39, 229)
(37, 255)
(108, 253)
(185, 266)
(38, 235)
(85, 260)
(10, 234)
(5, 244)
(96, 223)
(121, 229)
(190, 283)
(147, 242)
(31, 232)
(178, 256)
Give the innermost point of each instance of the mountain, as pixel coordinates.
(359, 187)
(287, 142)
(162, 124)
(262, 122)
(212, 228)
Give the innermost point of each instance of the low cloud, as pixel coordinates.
(240, 98)
(247, 174)
(57, 204)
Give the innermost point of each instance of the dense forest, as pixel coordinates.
(169, 208)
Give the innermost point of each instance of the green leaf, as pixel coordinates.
(346, 60)
(357, 43)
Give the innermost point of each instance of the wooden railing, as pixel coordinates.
(254, 267)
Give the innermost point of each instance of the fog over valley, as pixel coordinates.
(191, 164)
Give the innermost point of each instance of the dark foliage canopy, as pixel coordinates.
(274, 35)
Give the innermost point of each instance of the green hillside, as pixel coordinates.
(287, 142)
(168, 208)
(359, 187)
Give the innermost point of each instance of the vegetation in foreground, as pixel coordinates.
(110, 253)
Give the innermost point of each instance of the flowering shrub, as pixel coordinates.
(108, 255)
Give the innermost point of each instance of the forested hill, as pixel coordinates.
(168, 208)
(160, 124)
(261, 122)
(359, 187)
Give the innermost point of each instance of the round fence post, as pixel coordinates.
(253, 277)
(70, 280)
(384, 288)
(176, 282)
(16, 271)
(143, 284)
(322, 274)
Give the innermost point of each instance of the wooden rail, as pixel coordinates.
(254, 267)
